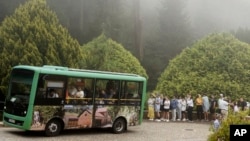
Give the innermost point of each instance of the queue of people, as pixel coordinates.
(180, 108)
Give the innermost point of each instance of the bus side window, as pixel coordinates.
(41, 93)
(54, 93)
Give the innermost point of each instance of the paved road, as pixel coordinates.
(148, 131)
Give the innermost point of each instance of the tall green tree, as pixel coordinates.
(242, 34)
(216, 64)
(32, 35)
(105, 54)
(87, 19)
(168, 39)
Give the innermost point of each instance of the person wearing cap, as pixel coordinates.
(224, 108)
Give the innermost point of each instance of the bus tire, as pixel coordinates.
(53, 128)
(119, 126)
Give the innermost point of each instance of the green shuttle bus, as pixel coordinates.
(54, 98)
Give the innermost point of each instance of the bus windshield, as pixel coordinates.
(19, 92)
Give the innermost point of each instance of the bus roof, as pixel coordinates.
(59, 70)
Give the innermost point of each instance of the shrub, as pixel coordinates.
(223, 133)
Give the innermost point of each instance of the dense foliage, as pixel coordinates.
(219, 63)
(105, 54)
(33, 36)
(223, 133)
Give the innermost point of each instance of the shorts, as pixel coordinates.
(205, 109)
(157, 108)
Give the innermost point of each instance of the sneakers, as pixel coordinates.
(178, 120)
(184, 119)
(167, 120)
(151, 119)
(158, 120)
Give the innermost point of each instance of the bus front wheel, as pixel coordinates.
(53, 128)
(119, 126)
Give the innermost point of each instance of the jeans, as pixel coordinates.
(178, 110)
(173, 114)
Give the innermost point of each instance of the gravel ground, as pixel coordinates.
(148, 131)
(174, 131)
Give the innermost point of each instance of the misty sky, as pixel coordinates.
(224, 13)
(209, 15)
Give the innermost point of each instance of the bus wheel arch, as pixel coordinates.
(119, 125)
(54, 127)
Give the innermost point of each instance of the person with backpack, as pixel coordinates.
(173, 107)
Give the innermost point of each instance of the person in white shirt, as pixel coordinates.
(183, 108)
(190, 106)
(72, 91)
(220, 104)
(178, 109)
(79, 93)
(166, 108)
(157, 107)
(224, 108)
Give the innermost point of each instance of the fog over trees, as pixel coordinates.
(154, 31)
